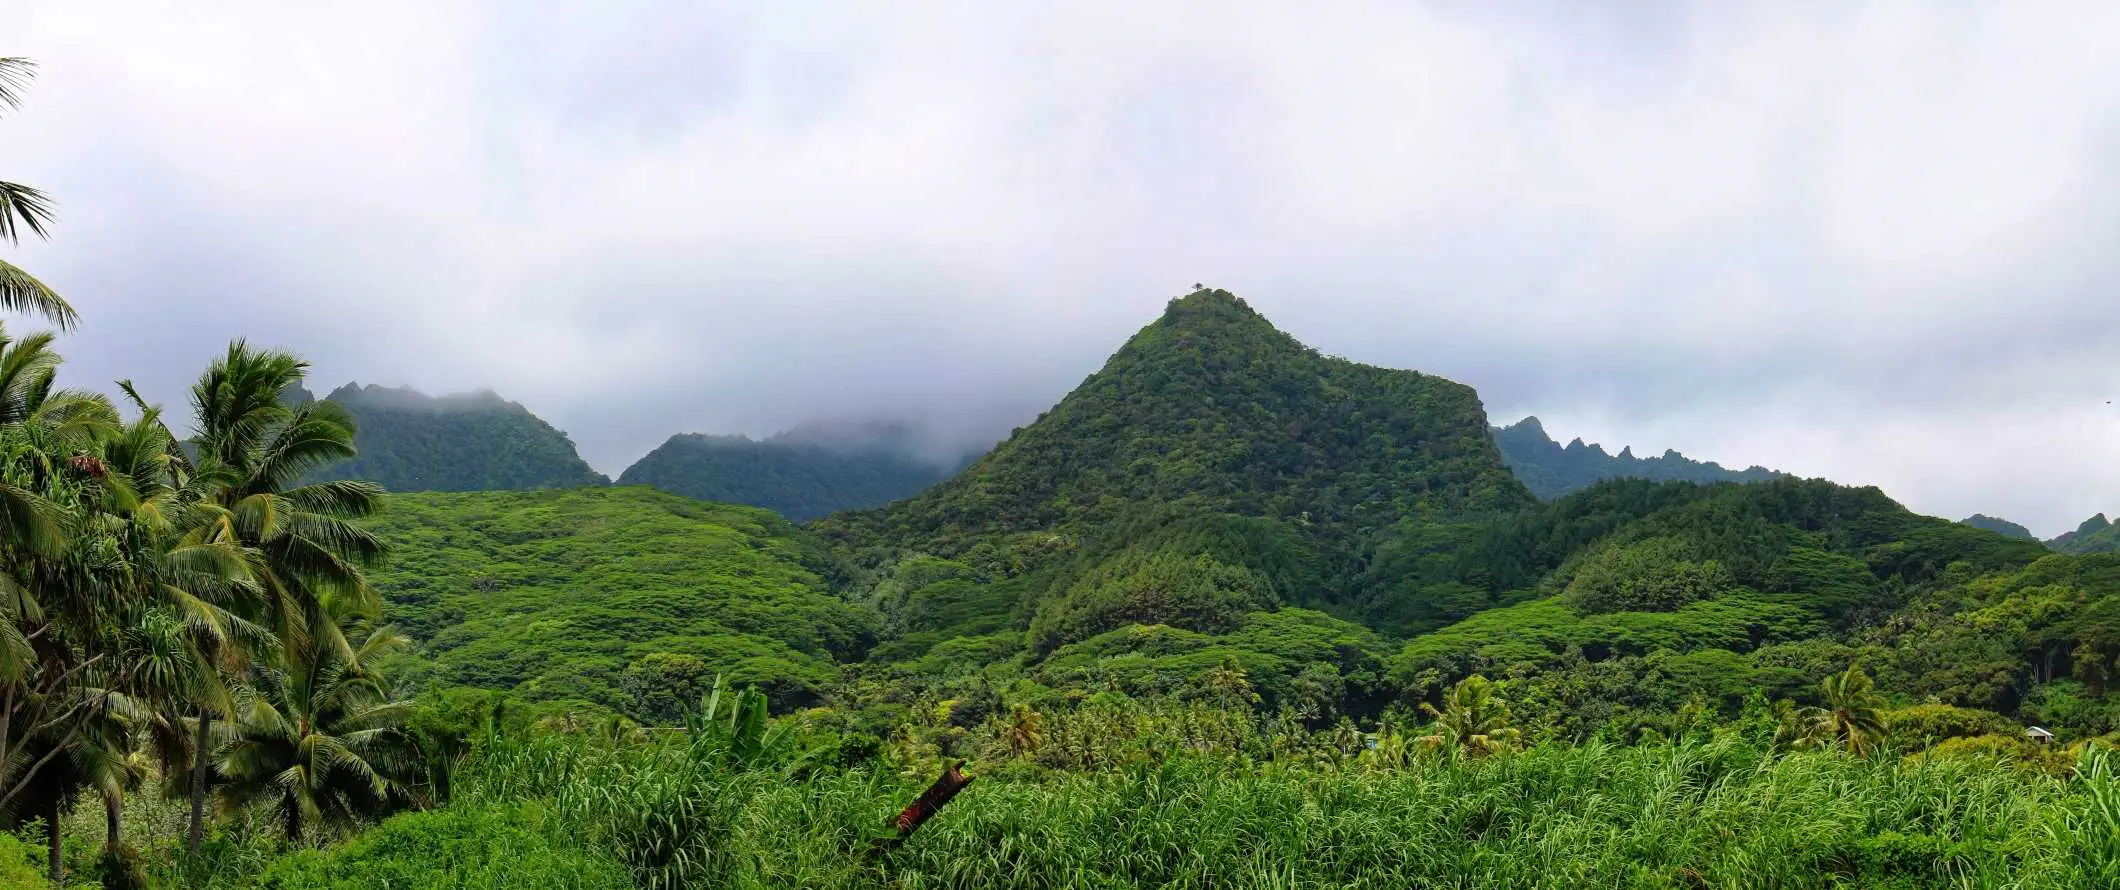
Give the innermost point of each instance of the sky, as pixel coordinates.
(1875, 242)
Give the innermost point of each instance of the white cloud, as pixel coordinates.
(1871, 242)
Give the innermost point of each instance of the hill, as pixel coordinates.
(2095, 535)
(1999, 526)
(606, 595)
(1624, 602)
(1213, 408)
(1550, 470)
(1213, 483)
(410, 441)
(802, 474)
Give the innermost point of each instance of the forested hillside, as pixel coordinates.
(1550, 470)
(1214, 483)
(410, 441)
(2095, 535)
(802, 474)
(1999, 526)
(1229, 596)
(611, 598)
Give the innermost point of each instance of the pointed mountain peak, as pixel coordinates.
(2096, 523)
(1212, 406)
(1218, 314)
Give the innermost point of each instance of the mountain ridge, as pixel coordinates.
(1551, 470)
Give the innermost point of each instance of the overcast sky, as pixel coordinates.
(1874, 242)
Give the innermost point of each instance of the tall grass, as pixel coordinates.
(709, 810)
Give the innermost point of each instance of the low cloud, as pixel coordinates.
(1870, 242)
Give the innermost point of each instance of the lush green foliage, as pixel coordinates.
(1121, 793)
(409, 441)
(1212, 408)
(795, 477)
(1551, 471)
(500, 846)
(609, 597)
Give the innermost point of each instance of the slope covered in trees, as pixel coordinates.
(2095, 535)
(1550, 470)
(802, 474)
(410, 441)
(1999, 526)
(592, 595)
(1212, 408)
(1212, 472)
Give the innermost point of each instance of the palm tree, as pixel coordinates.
(318, 736)
(1851, 715)
(1024, 731)
(22, 207)
(251, 451)
(58, 600)
(1473, 719)
(1229, 686)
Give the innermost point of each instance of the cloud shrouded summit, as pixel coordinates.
(1873, 242)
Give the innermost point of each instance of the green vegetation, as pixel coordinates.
(1551, 471)
(1124, 793)
(1999, 526)
(609, 597)
(797, 476)
(409, 441)
(2095, 535)
(1233, 614)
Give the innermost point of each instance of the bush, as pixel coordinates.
(466, 847)
(17, 867)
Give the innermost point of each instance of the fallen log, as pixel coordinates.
(927, 805)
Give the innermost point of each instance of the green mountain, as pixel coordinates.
(1999, 526)
(410, 441)
(1214, 482)
(1213, 409)
(1219, 496)
(802, 474)
(1550, 470)
(1630, 599)
(612, 596)
(2095, 535)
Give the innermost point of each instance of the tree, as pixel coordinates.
(1852, 714)
(318, 736)
(1024, 731)
(1229, 687)
(23, 207)
(305, 551)
(61, 580)
(1473, 719)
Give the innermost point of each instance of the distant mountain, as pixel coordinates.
(2096, 535)
(1999, 526)
(410, 441)
(803, 473)
(1550, 470)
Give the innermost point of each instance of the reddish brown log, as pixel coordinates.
(932, 800)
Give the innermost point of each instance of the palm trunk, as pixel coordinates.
(291, 819)
(112, 803)
(199, 752)
(51, 840)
